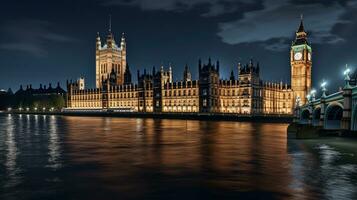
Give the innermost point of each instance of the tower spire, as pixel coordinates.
(301, 27)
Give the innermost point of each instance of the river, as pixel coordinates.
(66, 157)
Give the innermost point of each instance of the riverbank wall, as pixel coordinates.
(307, 131)
(183, 116)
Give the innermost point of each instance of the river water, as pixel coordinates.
(57, 157)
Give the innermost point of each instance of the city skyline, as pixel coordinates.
(55, 48)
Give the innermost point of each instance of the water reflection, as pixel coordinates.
(168, 159)
(336, 177)
(222, 155)
(11, 153)
(53, 144)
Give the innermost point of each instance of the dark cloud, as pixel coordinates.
(176, 31)
(31, 36)
(279, 18)
(323, 2)
(259, 21)
(212, 8)
(281, 45)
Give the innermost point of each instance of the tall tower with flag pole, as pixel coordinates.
(110, 57)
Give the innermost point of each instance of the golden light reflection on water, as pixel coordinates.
(231, 152)
(139, 158)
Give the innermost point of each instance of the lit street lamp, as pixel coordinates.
(312, 93)
(347, 71)
(323, 87)
(308, 97)
(347, 76)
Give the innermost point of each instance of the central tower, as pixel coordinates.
(301, 63)
(110, 57)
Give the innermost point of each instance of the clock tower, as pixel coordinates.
(301, 62)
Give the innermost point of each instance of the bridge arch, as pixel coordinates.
(333, 116)
(305, 116)
(316, 113)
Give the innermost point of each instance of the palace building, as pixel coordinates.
(155, 91)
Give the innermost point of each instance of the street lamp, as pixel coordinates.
(35, 108)
(347, 71)
(347, 76)
(27, 109)
(312, 93)
(323, 87)
(20, 109)
(308, 97)
(9, 109)
(43, 109)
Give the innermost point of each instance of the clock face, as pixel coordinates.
(298, 56)
(309, 56)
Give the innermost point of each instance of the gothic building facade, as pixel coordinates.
(110, 57)
(155, 91)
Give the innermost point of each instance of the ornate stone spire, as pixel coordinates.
(301, 35)
(301, 27)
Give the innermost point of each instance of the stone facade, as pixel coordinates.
(156, 92)
(301, 63)
(110, 57)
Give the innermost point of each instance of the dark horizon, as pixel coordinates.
(54, 41)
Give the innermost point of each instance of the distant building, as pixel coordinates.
(42, 97)
(244, 93)
(42, 90)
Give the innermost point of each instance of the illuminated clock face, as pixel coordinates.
(309, 56)
(298, 56)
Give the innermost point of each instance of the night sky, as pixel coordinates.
(50, 41)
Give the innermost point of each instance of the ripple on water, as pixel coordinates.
(165, 159)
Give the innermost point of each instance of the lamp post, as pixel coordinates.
(312, 93)
(322, 102)
(308, 97)
(323, 88)
(347, 102)
(346, 73)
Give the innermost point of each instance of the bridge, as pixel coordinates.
(337, 111)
